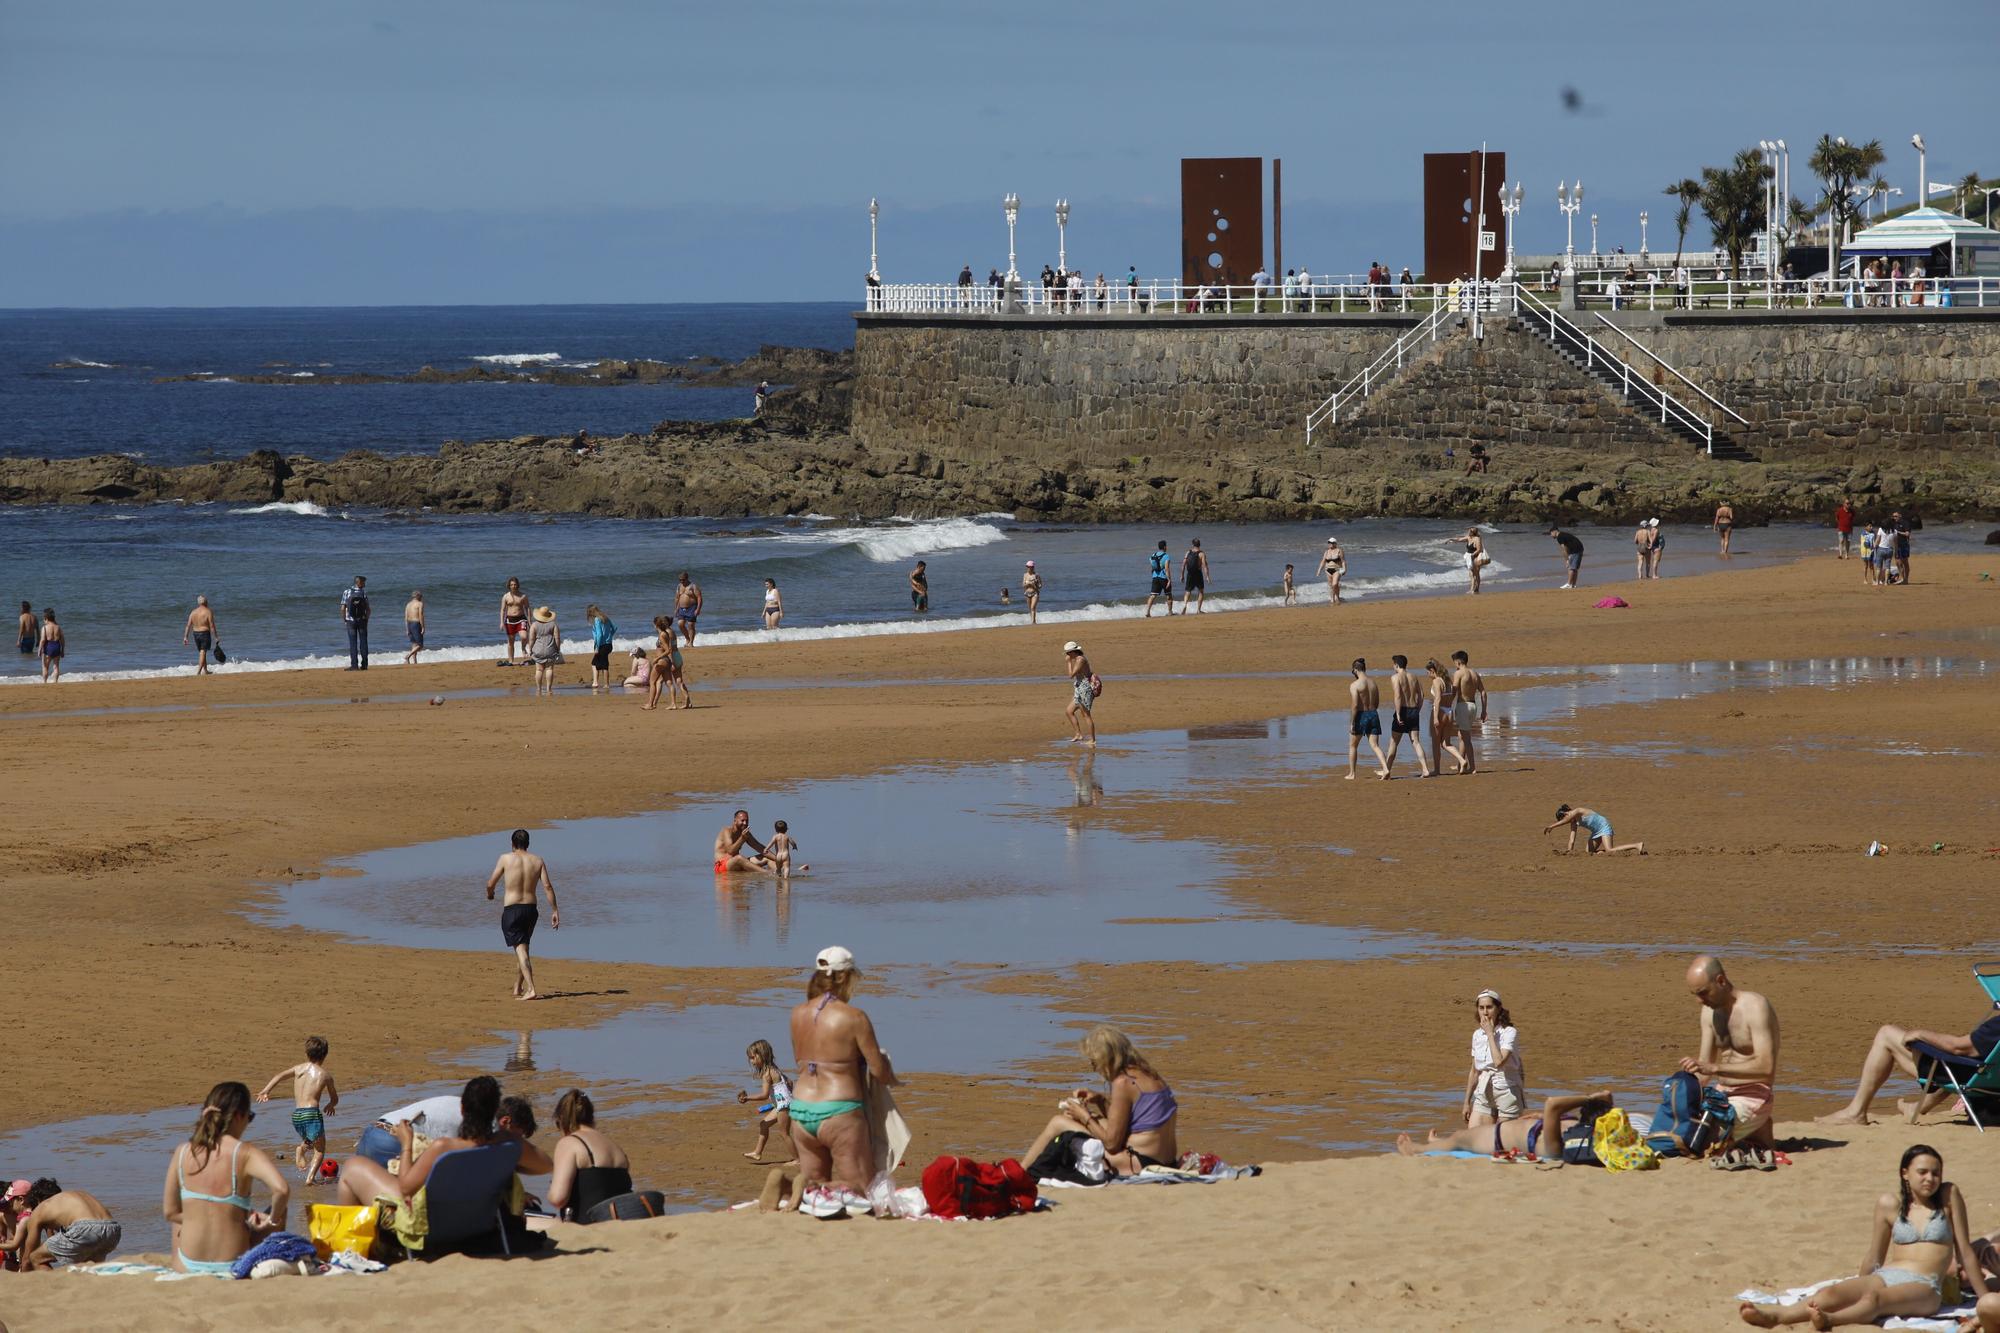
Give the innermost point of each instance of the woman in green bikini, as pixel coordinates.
(207, 1199)
(834, 1047)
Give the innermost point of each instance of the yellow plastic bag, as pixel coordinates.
(336, 1227)
(1619, 1146)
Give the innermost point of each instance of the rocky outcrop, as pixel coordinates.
(780, 365)
(740, 469)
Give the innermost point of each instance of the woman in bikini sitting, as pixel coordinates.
(361, 1180)
(589, 1167)
(1135, 1119)
(1908, 1256)
(207, 1200)
(834, 1048)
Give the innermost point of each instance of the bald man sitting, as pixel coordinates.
(1739, 1048)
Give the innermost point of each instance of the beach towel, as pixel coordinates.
(887, 1130)
(1612, 603)
(1946, 1320)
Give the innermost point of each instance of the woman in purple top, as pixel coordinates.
(1136, 1119)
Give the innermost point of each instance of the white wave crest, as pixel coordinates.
(909, 540)
(520, 358)
(304, 508)
(79, 361)
(300, 374)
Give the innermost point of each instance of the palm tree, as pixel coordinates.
(1732, 198)
(1798, 217)
(1841, 166)
(1968, 190)
(1688, 191)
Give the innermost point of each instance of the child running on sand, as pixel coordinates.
(775, 1113)
(310, 1082)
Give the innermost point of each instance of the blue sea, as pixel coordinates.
(122, 577)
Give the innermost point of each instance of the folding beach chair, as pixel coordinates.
(1976, 1081)
(466, 1196)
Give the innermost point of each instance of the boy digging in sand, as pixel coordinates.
(310, 1082)
(775, 1111)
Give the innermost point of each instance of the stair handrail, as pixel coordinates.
(1426, 329)
(1670, 406)
(1659, 360)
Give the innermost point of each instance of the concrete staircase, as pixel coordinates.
(1617, 378)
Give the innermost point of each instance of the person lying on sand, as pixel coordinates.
(1568, 1121)
(1916, 1235)
(1891, 1052)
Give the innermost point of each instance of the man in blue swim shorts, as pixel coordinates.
(1364, 697)
(687, 606)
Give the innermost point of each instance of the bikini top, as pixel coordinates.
(1150, 1110)
(1937, 1231)
(242, 1201)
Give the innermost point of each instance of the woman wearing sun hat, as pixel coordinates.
(834, 1049)
(545, 650)
(1082, 694)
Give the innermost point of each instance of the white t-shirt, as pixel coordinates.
(1510, 1056)
(433, 1116)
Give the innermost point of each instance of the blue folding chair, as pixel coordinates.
(1976, 1081)
(466, 1196)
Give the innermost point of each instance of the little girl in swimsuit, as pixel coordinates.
(775, 1113)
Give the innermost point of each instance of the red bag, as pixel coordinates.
(961, 1187)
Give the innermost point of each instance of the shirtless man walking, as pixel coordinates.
(1407, 697)
(30, 629)
(1163, 580)
(201, 628)
(1739, 1048)
(1364, 698)
(1468, 713)
(729, 845)
(1723, 522)
(522, 872)
(687, 607)
(514, 617)
(1194, 577)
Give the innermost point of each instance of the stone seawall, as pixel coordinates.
(1093, 389)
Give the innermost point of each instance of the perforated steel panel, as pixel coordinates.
(1451, 223)
(1222, 218)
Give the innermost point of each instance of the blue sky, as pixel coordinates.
(215, 153)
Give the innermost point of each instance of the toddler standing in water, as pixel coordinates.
(777, 857)
(310, 1082)
(775, 1112)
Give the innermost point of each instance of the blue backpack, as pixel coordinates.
(1690, 1121)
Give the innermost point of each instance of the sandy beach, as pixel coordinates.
(153, 819)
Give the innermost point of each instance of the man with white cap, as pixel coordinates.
(1031, 588)
(1083, 689)
(834, 1047)
(1332, 565)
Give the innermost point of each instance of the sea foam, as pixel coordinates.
(520, 358)
(913, 538)
(304, 508)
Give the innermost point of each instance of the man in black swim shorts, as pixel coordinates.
(1407, 697)
(522, 872)
(1194, 577)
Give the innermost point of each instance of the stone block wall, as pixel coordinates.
(1095, 389)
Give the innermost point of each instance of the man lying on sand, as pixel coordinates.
(1568, 1121)
(1891, 1051)
(1738, 1049)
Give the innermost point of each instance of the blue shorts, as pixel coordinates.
(686, 613)
(1367, 722)
(416, 629)
(378, 1145)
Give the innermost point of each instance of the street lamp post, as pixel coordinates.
(1642, 234)
(1510, 207)
(1062, 235)
(1593, 235)
(1012, 206)
(1569, 198)
(1923, 181)
(874, 211)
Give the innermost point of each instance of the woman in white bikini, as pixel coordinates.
(774, 605)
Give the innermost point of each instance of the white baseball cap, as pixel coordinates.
(833, 959)
(1654, 523)
(1333, 541)
(1072, 647)
(1031, 564)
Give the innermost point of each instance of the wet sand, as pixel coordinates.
(138, 839)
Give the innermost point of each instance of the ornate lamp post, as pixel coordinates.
(874, 211)
(1510, 207)
(1569, 198)
(1012, 205)
(1642, 233)
(1062, 234)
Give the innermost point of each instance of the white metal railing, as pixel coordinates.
(1658, 290)
(1565, 333)
(1386, 365)
(1675, 371)
(1351, 294)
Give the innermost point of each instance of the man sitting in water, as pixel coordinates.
(729, 846)
(1891, 1051)
(63, 1226)
(1738, 1050)
(1569, 1121)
